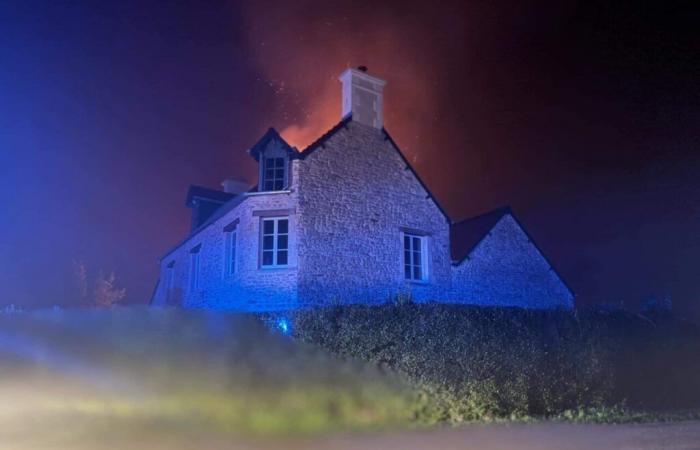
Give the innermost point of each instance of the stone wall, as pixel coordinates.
(506, 269)
(250, 288)
(350, 198)
(354, 193)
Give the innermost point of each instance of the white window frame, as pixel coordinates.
(194, 268)
(424, 257)
(275, 241)
(230, 252)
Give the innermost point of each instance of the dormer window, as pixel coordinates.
(274, 158)
(274, 174)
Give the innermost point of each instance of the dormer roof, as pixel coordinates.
(272, 136)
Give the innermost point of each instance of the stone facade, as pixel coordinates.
(250, 287)
(349, 198)
(507, 269)
(348, 201)
(355, 195)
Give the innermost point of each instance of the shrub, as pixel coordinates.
(478, 363)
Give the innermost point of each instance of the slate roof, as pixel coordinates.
(234, 201)
(270, 135)
(203, 193)
(466, 234)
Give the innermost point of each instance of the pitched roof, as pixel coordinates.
(318, 143)
(271, 135)
(207, 194)
(235, 200)
(466, 234)
(415, 174)
(221, 211)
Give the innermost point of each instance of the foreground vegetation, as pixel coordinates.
(126, 370)
(474, 363)
(136, 368)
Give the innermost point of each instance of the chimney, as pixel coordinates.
(362, 97)
(233, 186)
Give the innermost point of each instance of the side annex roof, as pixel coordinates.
(466, 235)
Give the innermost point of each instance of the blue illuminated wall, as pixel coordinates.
(507, 269)
(347, 204)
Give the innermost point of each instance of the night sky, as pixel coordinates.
(584, 117)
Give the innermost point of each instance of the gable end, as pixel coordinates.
(479, 228)
(430, 195)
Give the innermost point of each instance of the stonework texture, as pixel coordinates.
(354, 194)
(250, 287)
(347, 202)
(507, 269)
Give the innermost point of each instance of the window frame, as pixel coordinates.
(275, 242)
(170, 276)
(230, 252)
(423, 254)
(195, 268)
(264, 179)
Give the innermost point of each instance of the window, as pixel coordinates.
(275, 242)
(170, 276)
(414, 261)
(230, 253)
(274, 174)
(194, 267)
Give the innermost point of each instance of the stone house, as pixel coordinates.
(347, 220)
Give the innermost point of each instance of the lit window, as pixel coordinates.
(194, 267)
(230, 253)
(414, 250)
(273, 174)
(275, 242)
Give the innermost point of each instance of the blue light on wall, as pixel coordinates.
(284, 326)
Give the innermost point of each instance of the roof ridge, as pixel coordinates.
(388, 137)
(467, 234)
(342, 124)
(325, 136)
(504, 209)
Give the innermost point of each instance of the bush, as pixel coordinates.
(133, 366)
(478, 363)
